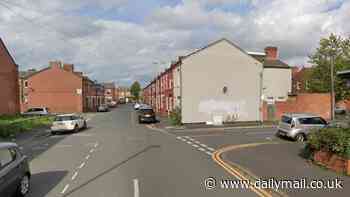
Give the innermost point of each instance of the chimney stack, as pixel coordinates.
(68, 67)
(271, 53)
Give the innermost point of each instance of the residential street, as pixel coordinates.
(118, 157)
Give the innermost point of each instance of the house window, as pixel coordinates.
(298, 85)
(25, 99)
(26, 84)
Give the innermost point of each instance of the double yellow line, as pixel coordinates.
(235, 172)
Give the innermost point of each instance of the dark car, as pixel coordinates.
(103, 108)
(14, 171)
(146, 114)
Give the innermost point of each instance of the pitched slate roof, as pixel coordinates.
(269, 63)
(275, 64)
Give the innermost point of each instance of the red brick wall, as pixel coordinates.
(56, 89)
(9, 96)
(318, 104)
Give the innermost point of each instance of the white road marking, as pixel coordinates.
(187, 137)
(203, 145)
(201, 149)
(74, 175)
(136, 188)
(191, 139)
(195, 145)
(209, 153)
(197, 142)
(65, 189)
(184, 140)
(81, 165)
(92, 150)
(188, 142)
(179, 138)
(96, 145)
(87, 157)
(211, 149)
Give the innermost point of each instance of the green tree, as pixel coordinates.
(320, 78)
(135, 90)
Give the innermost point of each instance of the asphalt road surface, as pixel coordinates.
(116, 156)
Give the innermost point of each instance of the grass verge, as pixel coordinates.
(12, 125)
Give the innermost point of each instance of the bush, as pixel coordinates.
(334, 140)
(175, 116)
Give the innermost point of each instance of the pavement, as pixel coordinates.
(116, 156)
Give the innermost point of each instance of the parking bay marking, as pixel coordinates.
(136, 188)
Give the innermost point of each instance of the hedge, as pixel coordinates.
(333, 140)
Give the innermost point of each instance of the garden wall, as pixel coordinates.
(318, 104)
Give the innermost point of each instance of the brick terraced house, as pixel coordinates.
(60, 88)
(9, 99)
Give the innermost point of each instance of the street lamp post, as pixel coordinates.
(332, 81)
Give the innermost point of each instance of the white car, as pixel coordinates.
(137, 106)
(68, 122)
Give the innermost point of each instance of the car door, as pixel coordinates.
(318, 122)
(10, 172)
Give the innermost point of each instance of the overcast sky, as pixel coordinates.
(127, 40)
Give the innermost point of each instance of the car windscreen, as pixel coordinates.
(286, 119)
(64, 118)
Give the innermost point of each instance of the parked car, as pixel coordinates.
(122, 101)
(37, 111)
(112, 104)
(137, 106)
(14, 171)
(103, 108)
(68, 123)
(298, 126)
(340, 110)
(146, 114)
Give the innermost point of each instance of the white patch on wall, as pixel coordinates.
(229, 110)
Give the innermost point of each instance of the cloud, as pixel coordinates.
(122, 50)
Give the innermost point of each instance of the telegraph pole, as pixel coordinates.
(332, 82)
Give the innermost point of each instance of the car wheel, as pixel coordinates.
(140, 121)
(300, 137)
(53, 132)
(23, 187)
(85, 125)
(76, 129)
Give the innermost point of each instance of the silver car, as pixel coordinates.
(37, 111)
(297, 126)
